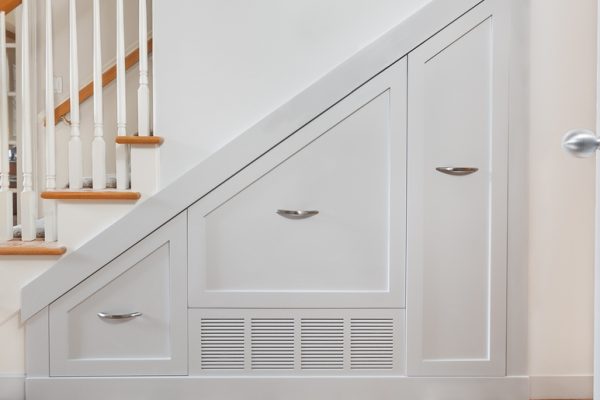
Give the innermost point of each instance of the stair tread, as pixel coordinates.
(37, 247)
(90, 194)
(140, 140)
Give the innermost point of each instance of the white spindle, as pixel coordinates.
(121, 153)
(98, 145)
(50, 230)
(6, 209)
(144, 90)
(28, 196)
(75, 158)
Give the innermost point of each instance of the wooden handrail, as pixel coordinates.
(108, 77)
(9, 5)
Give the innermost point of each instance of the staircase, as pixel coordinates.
(53, 218)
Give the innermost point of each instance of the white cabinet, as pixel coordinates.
(90, 333)
(457, 219)
(349, 165)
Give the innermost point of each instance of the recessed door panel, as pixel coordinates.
(457, 200)
(129, 318)
(311, 223)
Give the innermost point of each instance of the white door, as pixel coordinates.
(585, 143)
(457, 199)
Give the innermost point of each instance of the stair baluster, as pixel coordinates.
(75, 157)
(144, 90)
(28, 195)
(121, 150)
(6, 205)
(50, 230)
(98, 145)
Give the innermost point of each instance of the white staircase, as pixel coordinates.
(74, 214)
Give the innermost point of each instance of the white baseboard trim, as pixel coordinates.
(289, 388)
(560, 387)
(12, 387)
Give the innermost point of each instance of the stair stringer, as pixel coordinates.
(239, 153)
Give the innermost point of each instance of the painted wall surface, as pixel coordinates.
(245, 59)
(563, 79)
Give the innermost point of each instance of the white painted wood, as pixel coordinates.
(143, 90)
(596, 369)
(75, 156)
(145, 169)
(297, 342)
(37, 346)
(121, 150)
(12, 387)
(6, 196)
(28, 196)
(349, 164)
(290, 388)
(517, 320)
(457, 226)
(148, 278)
(89, 224)
(247, 147)
(98, 144)
(50, 229)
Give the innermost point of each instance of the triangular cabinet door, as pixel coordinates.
(130, 317)
(317, 221)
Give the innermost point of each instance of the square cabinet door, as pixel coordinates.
(319, 220)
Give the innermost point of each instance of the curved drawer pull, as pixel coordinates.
(297, 214)
(119, 316)
(457, 171)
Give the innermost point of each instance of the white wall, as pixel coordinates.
(244, 59)
(563, 68)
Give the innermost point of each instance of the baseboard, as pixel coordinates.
(289, 388)
(560, 387)
(12, 387)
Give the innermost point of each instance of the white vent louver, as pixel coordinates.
(272, 344)
(322, 343)
(297, 342)
(371, 343)
(222, 343)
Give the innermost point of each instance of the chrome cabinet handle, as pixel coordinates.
(297, 214)
(457, 171)
(119, 316)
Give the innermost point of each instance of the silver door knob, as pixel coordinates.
(581, 143)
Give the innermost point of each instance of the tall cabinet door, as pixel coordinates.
(457, 198)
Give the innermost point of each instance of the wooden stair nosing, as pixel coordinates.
(34, 248)
(108, 195)
(140, 140)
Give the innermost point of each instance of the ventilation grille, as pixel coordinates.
(307, 342)
(272, 343)
(371, 343)
(222, 343)
(322, 343)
